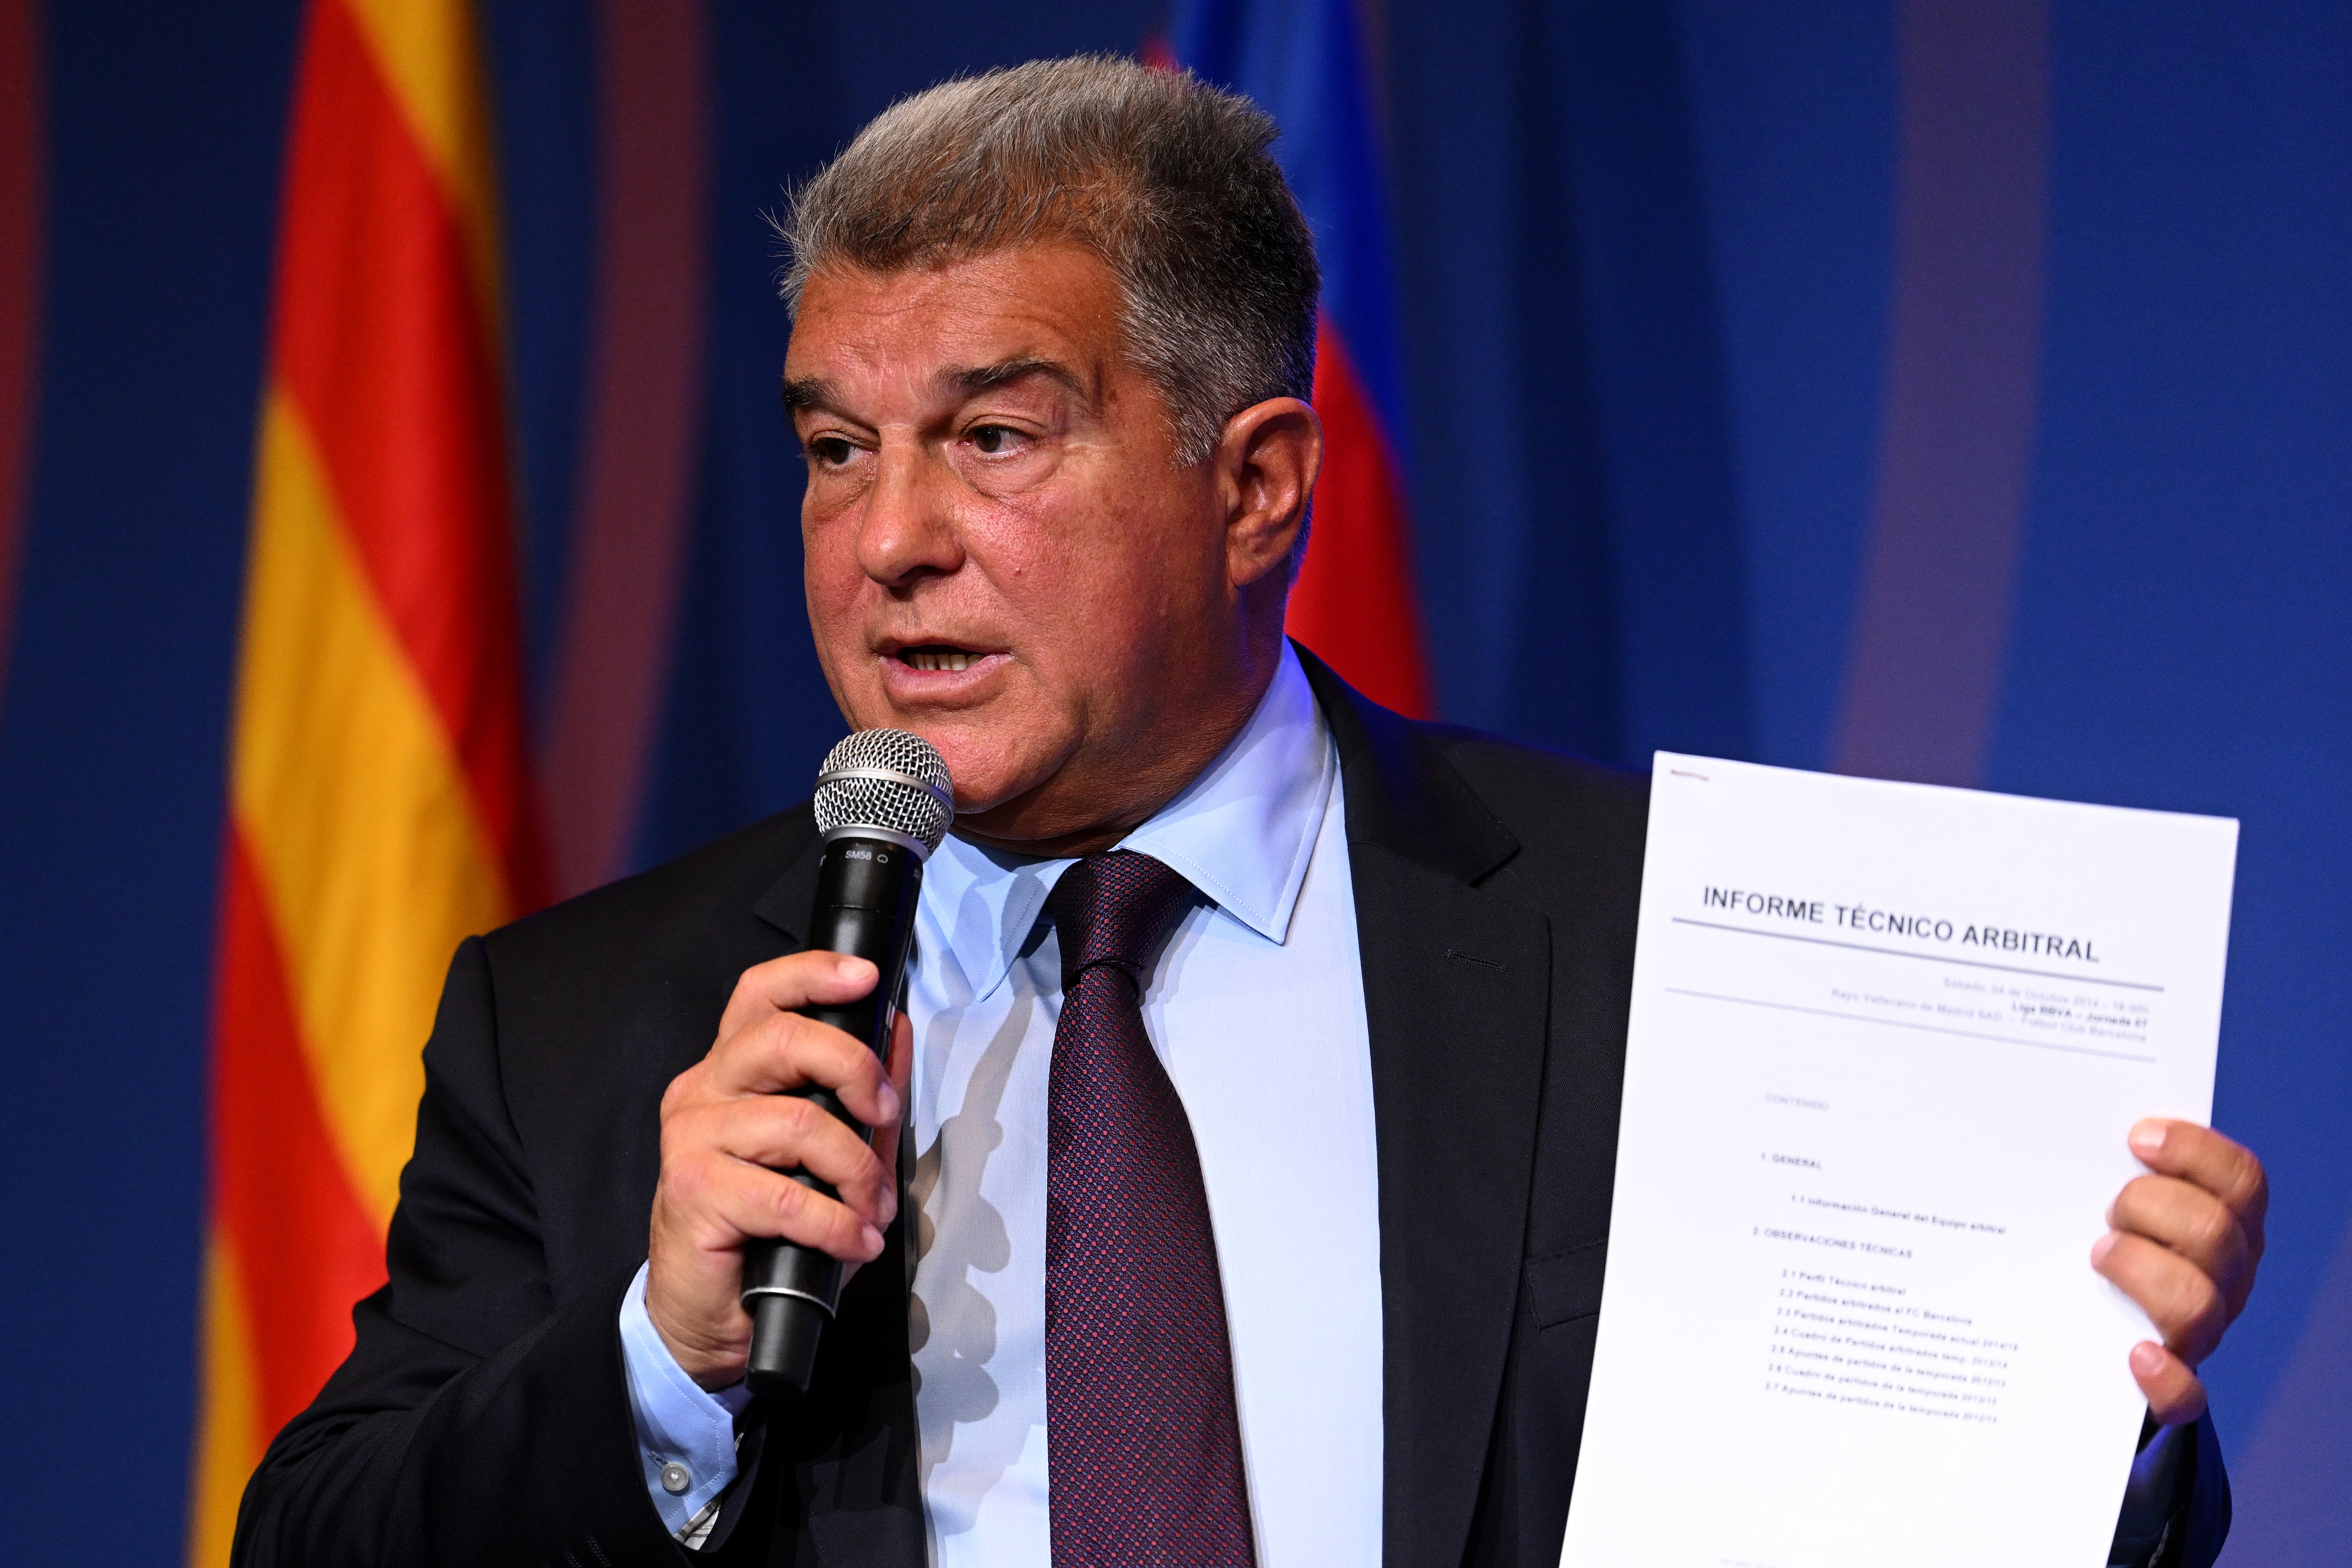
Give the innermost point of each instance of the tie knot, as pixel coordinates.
(1117, 909)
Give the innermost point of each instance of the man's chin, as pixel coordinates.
(990, 781)
(999, 747)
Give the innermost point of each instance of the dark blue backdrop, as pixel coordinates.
(1664, 267)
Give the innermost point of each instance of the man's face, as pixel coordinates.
(1002, 554)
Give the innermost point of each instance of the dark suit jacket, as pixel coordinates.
(484, 1416)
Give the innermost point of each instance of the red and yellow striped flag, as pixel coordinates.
(379, 806)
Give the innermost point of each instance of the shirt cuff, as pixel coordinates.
(686, 1433)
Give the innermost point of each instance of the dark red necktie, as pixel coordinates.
(1144, 1453)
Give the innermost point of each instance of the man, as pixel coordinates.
(1254, 1113)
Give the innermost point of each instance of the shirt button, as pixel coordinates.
(675, 1477)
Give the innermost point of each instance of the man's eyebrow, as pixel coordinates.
(807, 392)
(1005, 372)
(815, 392)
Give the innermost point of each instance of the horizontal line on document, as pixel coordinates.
(1899, 1024)
(1930, 957)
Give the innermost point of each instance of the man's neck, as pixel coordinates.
(1030, 825)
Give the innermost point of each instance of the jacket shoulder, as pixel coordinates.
(1551, 801)
(642, 923)
(1577, 828)
(1493, 812)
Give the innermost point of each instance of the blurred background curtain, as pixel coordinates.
(1945, 389)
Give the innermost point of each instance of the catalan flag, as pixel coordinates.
(379, 806)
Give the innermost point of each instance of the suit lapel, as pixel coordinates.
(1456, 988)
(786, 903)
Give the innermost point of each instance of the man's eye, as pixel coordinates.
(990, 440)
(831, 451)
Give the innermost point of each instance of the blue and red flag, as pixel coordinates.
(1304, 62)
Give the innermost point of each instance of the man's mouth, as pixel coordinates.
(938, 656)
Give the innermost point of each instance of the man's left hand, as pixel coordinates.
(2184, 1244)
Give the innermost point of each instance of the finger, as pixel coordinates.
(899, 1073)
(2179, 1298)
(2193, 1223)
(2202, 1157)
(784, 1132)
(2174, 1394)
(795, 980)
(786, 1051)
(719, 1203)
(902, 1053)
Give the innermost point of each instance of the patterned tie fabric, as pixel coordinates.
(1144, 1452)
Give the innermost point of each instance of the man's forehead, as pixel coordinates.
(945, 334)
(1032, 306)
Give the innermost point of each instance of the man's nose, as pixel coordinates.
(908, 530)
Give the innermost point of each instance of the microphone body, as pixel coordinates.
(868, 887)
(866, 893)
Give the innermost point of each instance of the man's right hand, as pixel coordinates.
(726, 1131)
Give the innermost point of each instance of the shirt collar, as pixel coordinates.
(1241, 832)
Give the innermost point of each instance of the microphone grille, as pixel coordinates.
(886, 779)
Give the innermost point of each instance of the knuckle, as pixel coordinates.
(834, 1060)
(780, 1033)
(865, 1178)
(818, 1052)
(2188, 1225)
(788, 1200)
(846, 1166)
(791, 1052)
(2250, 1190)
(2195, 1305)
(857, 1078)
(800, 1119)
(682, 1091)
(2213, 1231)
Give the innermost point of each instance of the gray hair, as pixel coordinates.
(1163, 177)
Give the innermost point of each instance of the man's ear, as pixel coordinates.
(1266, 460)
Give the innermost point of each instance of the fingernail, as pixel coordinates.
(2148, 1140)
(873, 1241)
(2100, 1248)
(848, 968)
(888, 1097)
(2147, 1358)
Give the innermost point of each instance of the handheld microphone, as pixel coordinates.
(883, 803)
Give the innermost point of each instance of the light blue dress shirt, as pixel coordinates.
(1256, 1008)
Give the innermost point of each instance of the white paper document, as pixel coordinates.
(1887, 1041)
